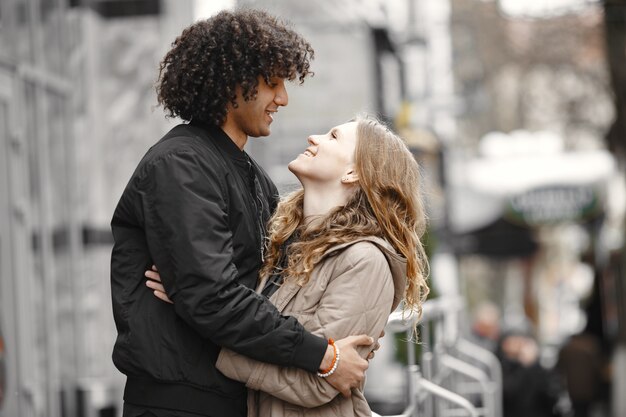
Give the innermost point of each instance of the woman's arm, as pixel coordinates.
(357, 300)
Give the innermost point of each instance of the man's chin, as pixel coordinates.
(261, 134)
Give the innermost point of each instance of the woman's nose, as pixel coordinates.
(313, 140)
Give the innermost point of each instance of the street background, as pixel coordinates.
(515, 110)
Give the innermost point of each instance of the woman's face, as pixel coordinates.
(329, 157)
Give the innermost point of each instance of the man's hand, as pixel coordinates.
(376, 346)
(351, 369)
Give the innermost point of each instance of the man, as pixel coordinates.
(196, 207)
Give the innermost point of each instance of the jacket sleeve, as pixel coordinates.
(356, 301)
(186, 222)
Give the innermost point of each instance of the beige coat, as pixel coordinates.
(351, 291)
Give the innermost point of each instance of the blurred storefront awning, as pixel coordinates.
(500, 239)
(521, 181)
(518, 174)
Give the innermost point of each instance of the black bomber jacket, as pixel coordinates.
(196, 207)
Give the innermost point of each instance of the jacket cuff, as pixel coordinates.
(309, 354)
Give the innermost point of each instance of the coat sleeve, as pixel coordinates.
(185, 213)
(356, 301)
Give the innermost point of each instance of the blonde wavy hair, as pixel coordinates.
(387, 203)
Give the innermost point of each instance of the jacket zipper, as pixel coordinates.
(258, 207)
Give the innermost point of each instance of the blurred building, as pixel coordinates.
(536, 103)
(39, 240)
(539, 237)
(76, 113)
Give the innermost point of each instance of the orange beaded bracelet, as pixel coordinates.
(333, 366)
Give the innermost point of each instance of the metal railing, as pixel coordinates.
(452, 376)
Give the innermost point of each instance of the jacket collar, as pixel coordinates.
(222, 140)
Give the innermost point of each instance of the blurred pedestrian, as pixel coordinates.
(486, 325)
(581, 363)
(343, 252)
(196, 207)
(583, 359)
(528, 389)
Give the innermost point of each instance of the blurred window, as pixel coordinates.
(4, 30)
(20, 38)
(50, 31)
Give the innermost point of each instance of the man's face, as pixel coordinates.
(254, 117)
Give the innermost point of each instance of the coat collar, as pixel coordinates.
(397, 264)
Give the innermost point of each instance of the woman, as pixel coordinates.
(343, 252)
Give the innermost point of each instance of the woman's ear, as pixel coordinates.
(350, 177)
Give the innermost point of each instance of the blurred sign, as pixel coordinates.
(553, 204)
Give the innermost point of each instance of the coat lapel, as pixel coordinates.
(284, 294)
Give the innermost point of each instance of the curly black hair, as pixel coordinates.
(199, 75)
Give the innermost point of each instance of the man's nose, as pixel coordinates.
(281, 98)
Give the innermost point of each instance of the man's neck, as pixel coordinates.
(237, 136)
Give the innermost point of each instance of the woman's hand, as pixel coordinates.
(154, 283)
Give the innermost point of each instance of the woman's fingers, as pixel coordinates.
(162, 296)
(158, 290)
(154, 282)
(153, 275)
(157, 286)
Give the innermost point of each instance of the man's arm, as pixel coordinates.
(186, 221)
(351, 373)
